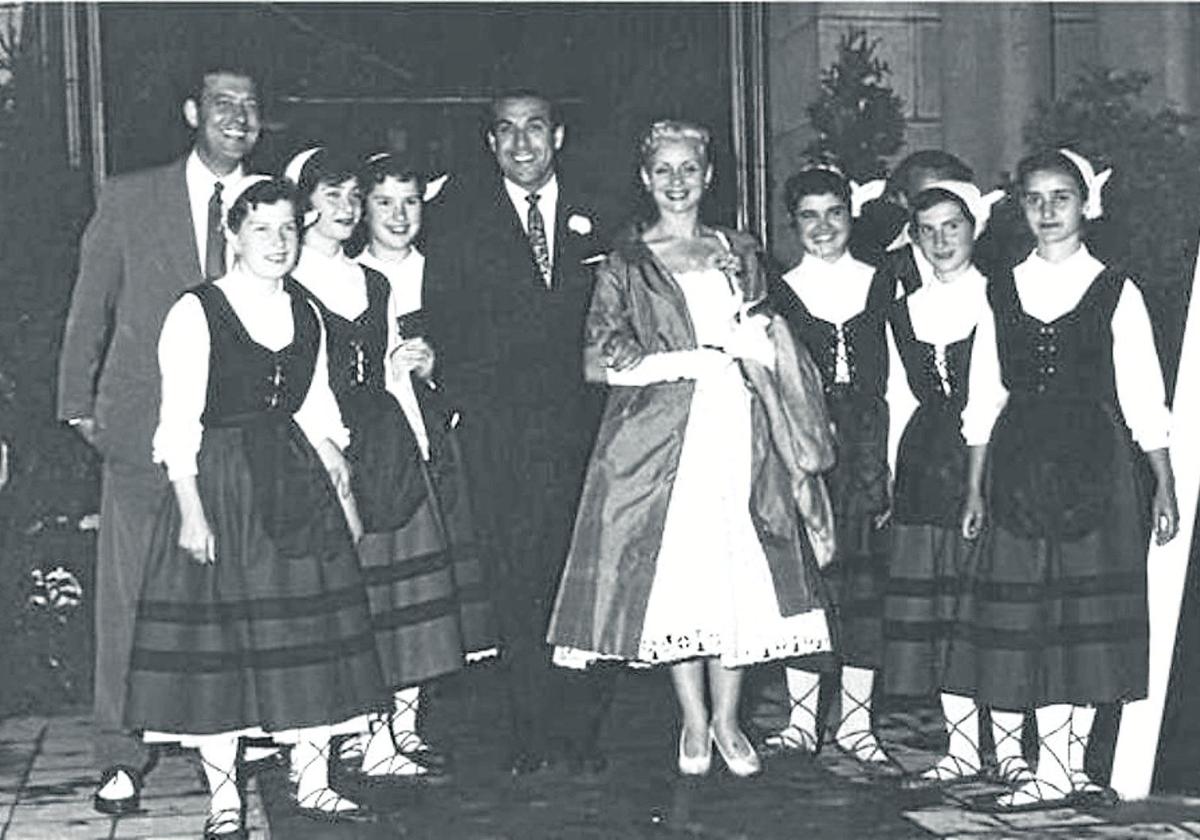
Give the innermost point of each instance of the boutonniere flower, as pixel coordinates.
(579, 223)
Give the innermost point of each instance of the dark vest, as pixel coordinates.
(387, 480)
(931, 464)
(1054, 446)
(246, 381)
(866, 348)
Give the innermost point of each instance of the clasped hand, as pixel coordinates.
(749, 340)
(413, 355)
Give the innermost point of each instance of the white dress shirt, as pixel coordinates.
(183, 350)
(1048, 291)
(547, 205)
(200, 183)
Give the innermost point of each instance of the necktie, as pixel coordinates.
(537, 238)
(214, 248)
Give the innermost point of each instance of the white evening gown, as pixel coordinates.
(712, 593)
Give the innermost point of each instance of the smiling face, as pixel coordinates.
(226, 120)
(524, 139)
(393, 211)
(268, 240)
(946, 237)
(823, 223)
(339, 208)
(676, 176)
(1053, 207)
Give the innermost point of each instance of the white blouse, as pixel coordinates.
(406, 278)
(834, 292)
(183, 351)
(337, 281)
(941, 314)
(1048, 291)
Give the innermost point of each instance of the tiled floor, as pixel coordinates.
(46, 782)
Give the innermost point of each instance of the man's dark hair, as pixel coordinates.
(200, 76)
(520, 93)
(946, 166)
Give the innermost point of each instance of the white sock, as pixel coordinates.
(857, 685)
(310, 763)
(1082, 718)
(804, 690)
(1006, 732)
(962, 725)
(218, 756)
(405, 704)
(1054, 738)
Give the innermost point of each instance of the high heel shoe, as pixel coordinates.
(741, 766)
(695, 765)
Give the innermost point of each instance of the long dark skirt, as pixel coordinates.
(930, 570)
(276, 634)
(414, 604)
(1061, 619)
(858, 492)
(447, 480)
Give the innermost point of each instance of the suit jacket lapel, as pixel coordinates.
(510, 233)
(177, 233)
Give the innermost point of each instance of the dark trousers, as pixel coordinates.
(129, 501)
(527, 496)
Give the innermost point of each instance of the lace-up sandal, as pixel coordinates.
(226, 824)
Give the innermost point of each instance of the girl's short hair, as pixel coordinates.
(670, 131)
(270, 191)
(814, 181)
(327, 166)
(934, 196)
(1050, 160)
(381, 167)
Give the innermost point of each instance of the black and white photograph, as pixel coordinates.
(599, 420)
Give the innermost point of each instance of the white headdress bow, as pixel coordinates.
(860, 194)
(979, 204)
(432, 187)
(1093, 208)
(240, 188)
(294, 171)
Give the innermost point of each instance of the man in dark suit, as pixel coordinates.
(154, 234)
(508, 282)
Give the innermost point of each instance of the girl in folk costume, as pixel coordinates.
(410, 583)
(689, 549)
(1057, 619)
(836, 306)
(944, 395)
(393, 201)
(254, 614)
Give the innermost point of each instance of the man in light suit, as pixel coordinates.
(508, 281)
(151, 237)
